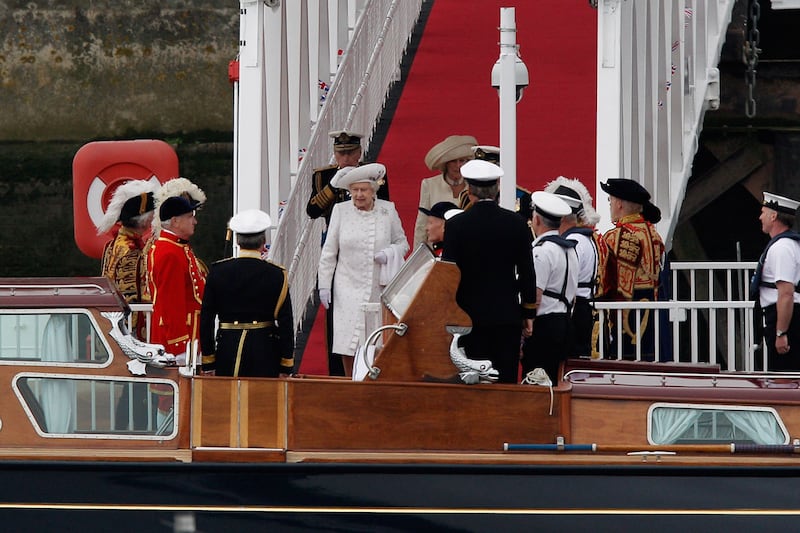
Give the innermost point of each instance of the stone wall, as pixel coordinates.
(87, 69)
(76, 71)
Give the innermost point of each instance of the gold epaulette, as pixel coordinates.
(323, 169)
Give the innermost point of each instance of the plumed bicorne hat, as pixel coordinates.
(176, 187)
(131, 199)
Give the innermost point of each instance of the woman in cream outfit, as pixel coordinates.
(447, 157)
(365, 247)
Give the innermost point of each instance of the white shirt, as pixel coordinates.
(781, 264)
(550, 264)
(587, 261)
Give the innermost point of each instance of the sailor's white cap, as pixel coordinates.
(250, 221)
(450, 213)
(780, 203)
(549, 205)
(370, 173)
(480, 172)
(570, 196)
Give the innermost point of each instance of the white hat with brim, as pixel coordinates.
(250, 221)
(452, 212)
(370, 173)
(480, 172)
(549, 205)
(450, 149)
(780, 204)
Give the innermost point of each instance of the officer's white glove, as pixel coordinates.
(381, 258)
(325, 297)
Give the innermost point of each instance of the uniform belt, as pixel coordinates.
(246, 325)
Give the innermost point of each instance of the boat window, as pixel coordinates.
(87, 407)
(714, 424)
(54, 338)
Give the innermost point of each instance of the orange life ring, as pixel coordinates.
(98, 168)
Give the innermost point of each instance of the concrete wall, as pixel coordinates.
(86, 69)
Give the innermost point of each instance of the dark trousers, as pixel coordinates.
(499, 344)
(547, 346)
(782, 362)
(335, 364)
(629, 337)
(583, 320)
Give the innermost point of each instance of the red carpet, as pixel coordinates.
(448, 92)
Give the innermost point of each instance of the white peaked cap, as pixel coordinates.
(550, 205)
(250, 221)
(480, 170)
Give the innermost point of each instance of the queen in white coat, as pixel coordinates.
(364, 247)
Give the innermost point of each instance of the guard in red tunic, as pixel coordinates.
(124, 255)
(177, 284)
(635, 253)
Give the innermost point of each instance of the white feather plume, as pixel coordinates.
(175, 187)
(589, 217)
(124, 192)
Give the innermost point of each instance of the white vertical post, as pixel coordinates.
(609, 87)
(252, 158)
(508, 107)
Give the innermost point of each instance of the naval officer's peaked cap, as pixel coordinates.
(487, 153)
(480, 172)
(549, 205)
(250, 222)
(344, 140)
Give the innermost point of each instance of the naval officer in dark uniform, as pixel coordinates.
(776, 283)
(347, 153)
(492, 248)
(251, 298)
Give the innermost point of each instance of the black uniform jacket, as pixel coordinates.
(323, 196)
(492, 248)
(247, 290)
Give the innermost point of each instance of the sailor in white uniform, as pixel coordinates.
(556, 264)
(777, 283)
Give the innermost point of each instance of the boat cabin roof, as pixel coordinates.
(29, 293)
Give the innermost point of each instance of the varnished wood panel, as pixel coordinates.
(425, 346)
(330, 415)
(609, 421)
(239, 413)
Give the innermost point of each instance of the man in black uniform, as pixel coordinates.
(251, 298)
(492, 248)
(347, 153)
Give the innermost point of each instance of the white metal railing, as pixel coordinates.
(355, 100)
(656, 77)
(707, 320)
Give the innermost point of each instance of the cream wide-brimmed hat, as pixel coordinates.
(371, 173)
(453, 147)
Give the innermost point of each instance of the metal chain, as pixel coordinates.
(750, 56)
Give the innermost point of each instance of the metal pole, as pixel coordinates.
(508, 107)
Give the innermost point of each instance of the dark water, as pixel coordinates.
(36, 218)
